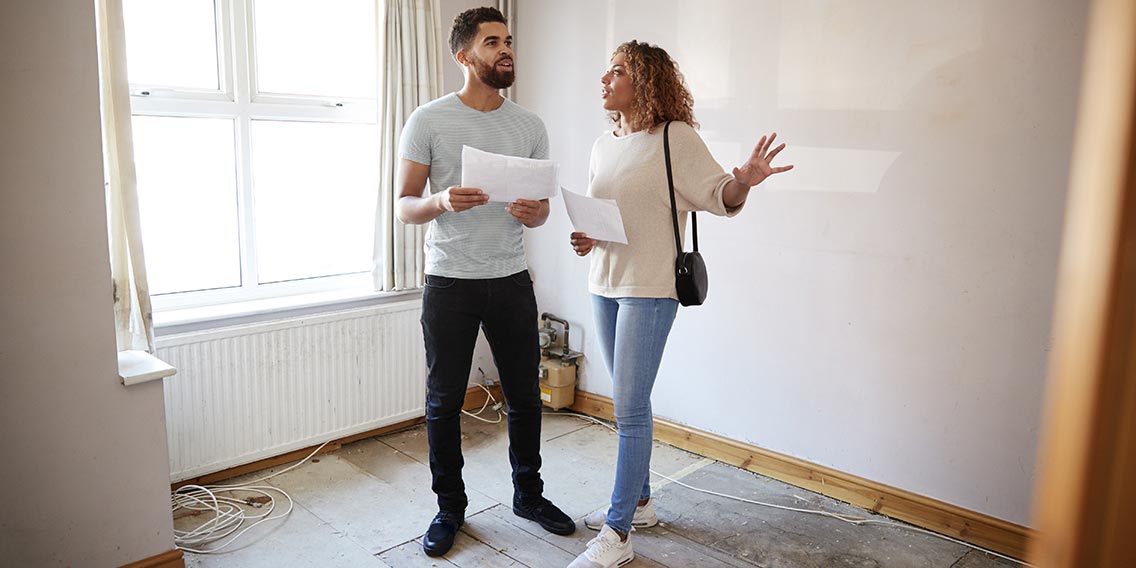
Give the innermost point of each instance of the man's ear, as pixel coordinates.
(460, 57)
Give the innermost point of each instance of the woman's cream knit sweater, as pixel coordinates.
(631, 169)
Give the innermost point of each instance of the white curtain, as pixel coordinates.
(410, 53)
(133, 315)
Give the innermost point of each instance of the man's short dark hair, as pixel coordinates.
(466, 24)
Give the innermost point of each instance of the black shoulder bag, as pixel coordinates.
(691, 281)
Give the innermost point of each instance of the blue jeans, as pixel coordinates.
(632, 333)
(453, 310)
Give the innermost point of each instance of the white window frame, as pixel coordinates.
(237, 99)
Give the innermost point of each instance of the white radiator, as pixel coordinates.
(249, 392)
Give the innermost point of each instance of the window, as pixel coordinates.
(255, 145)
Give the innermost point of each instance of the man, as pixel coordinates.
(476, 274)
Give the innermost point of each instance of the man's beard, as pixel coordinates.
(491, 76)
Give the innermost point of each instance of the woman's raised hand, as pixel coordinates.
(758, 167)
(581, 243)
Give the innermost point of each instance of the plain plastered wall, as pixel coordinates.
(86, 471)
(885, 308)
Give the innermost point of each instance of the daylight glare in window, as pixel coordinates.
(256, 147)
(188, 202)
(315, 187)
(171, 44)
(316, 48)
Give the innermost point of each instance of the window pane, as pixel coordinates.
(188, 201)
(315, 189)
(172, 44)
(316, 47)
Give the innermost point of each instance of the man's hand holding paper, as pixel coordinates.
(526, 211)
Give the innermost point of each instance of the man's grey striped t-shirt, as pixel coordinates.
(486, 241)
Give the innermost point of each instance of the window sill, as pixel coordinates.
(136, 367)
(171, 322)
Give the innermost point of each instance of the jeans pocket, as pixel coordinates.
(522, 279)
(439, 282)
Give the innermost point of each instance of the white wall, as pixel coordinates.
(884, 309)
(85, 480)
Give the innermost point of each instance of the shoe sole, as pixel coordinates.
(434, 553)
(638, 525)
(561, 532)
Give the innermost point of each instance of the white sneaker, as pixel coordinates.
(644, 517)
(605, 551)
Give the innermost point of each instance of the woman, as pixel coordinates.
(633, 285)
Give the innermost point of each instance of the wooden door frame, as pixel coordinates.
(1085, 497)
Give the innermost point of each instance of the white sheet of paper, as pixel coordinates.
(599, 218)
(508, 178)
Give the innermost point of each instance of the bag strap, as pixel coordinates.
(670, 184)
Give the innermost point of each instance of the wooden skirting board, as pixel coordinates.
(970, 526)
(167, 559)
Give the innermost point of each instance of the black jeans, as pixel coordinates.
(452, 311)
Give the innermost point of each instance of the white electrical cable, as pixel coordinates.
(488, 397)
(228, 515)
(838, 516)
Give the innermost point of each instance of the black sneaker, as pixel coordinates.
(544, 513)
(440, 534)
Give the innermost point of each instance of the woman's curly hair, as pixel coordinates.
(661, 93)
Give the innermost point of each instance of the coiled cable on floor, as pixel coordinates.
(230, 516)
